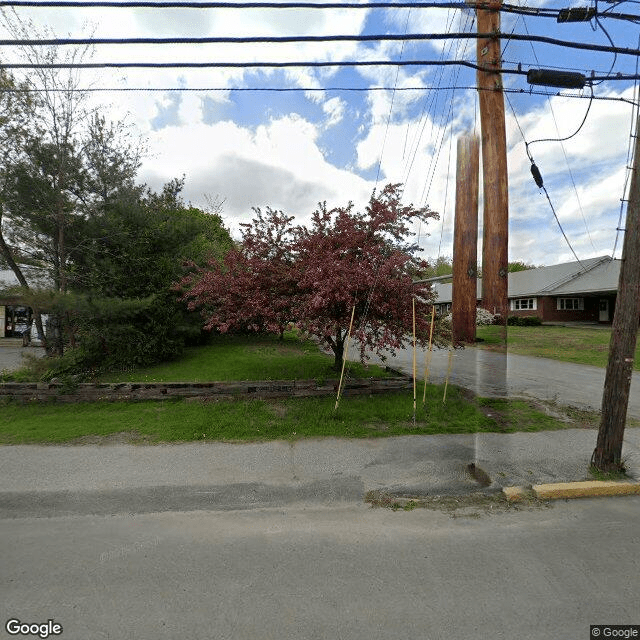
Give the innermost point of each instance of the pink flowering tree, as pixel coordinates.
(254, 288)
(314, 277)
(348, 259)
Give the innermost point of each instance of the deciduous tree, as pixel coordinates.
(315, 276)
(348, 259)
(255, 287)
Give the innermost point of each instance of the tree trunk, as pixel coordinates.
(8, 256)
(338, 352)
(55, 342)
(37, 316)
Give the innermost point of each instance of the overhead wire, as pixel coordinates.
(540, 183)
(539, 12)
(606, 33)
(393, 95)
(635, 113)
(561, 141)
(94, 89)
(445, 119)
(432, 120)
(278, 65)
(572, 135)
(423, 116)
(190, 4)
(380, 37)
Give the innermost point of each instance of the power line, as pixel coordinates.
(539, 12)
(629, 163)
(445, 121)
(606, 33)
(564, 152)
(152, 4)
(539, 65)
(32, 42)
(575, 133)
(424, 112)
(538, 177)
(310, 64)
(393, 95)
(232, 5)
(438, 88)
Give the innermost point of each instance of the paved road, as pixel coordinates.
(318, 573)
(273, 541)
(116, 479)
(12, 355)
(492, 374)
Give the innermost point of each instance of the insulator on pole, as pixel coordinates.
(553, 78)
(537, 176)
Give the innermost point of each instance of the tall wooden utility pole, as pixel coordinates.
(495, 253)
(615, 399)
(465, 241)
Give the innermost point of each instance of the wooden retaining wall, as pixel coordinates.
(205, 391)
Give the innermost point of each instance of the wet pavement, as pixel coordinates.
(491, 374)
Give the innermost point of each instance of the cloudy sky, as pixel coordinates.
(290, 150)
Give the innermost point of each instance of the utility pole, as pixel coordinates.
(615, 399)
(495, 254)
(465, 241)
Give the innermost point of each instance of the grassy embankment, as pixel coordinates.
(252, 358)
(582, 345)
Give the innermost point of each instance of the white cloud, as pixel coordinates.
(334, 109)
(278, 161)
(278, 165)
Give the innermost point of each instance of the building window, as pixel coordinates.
(570, 304)
(522, 304)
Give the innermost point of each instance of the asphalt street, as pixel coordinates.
(12, 355)
(275, 541)
(114, 479)
(339, 573)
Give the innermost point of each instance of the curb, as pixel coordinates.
(566, 490)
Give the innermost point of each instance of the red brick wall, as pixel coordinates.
(547, 310)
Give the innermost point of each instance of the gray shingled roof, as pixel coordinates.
(595, 275)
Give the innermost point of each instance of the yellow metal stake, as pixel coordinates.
(344, 358)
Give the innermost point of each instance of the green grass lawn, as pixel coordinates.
(255, 358)
(257, 420)
(261, 357)
(582, 345)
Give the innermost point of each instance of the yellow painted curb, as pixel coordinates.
(587, 489)
(513, 494)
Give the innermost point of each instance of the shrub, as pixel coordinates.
(482, 317)
(524, 321)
